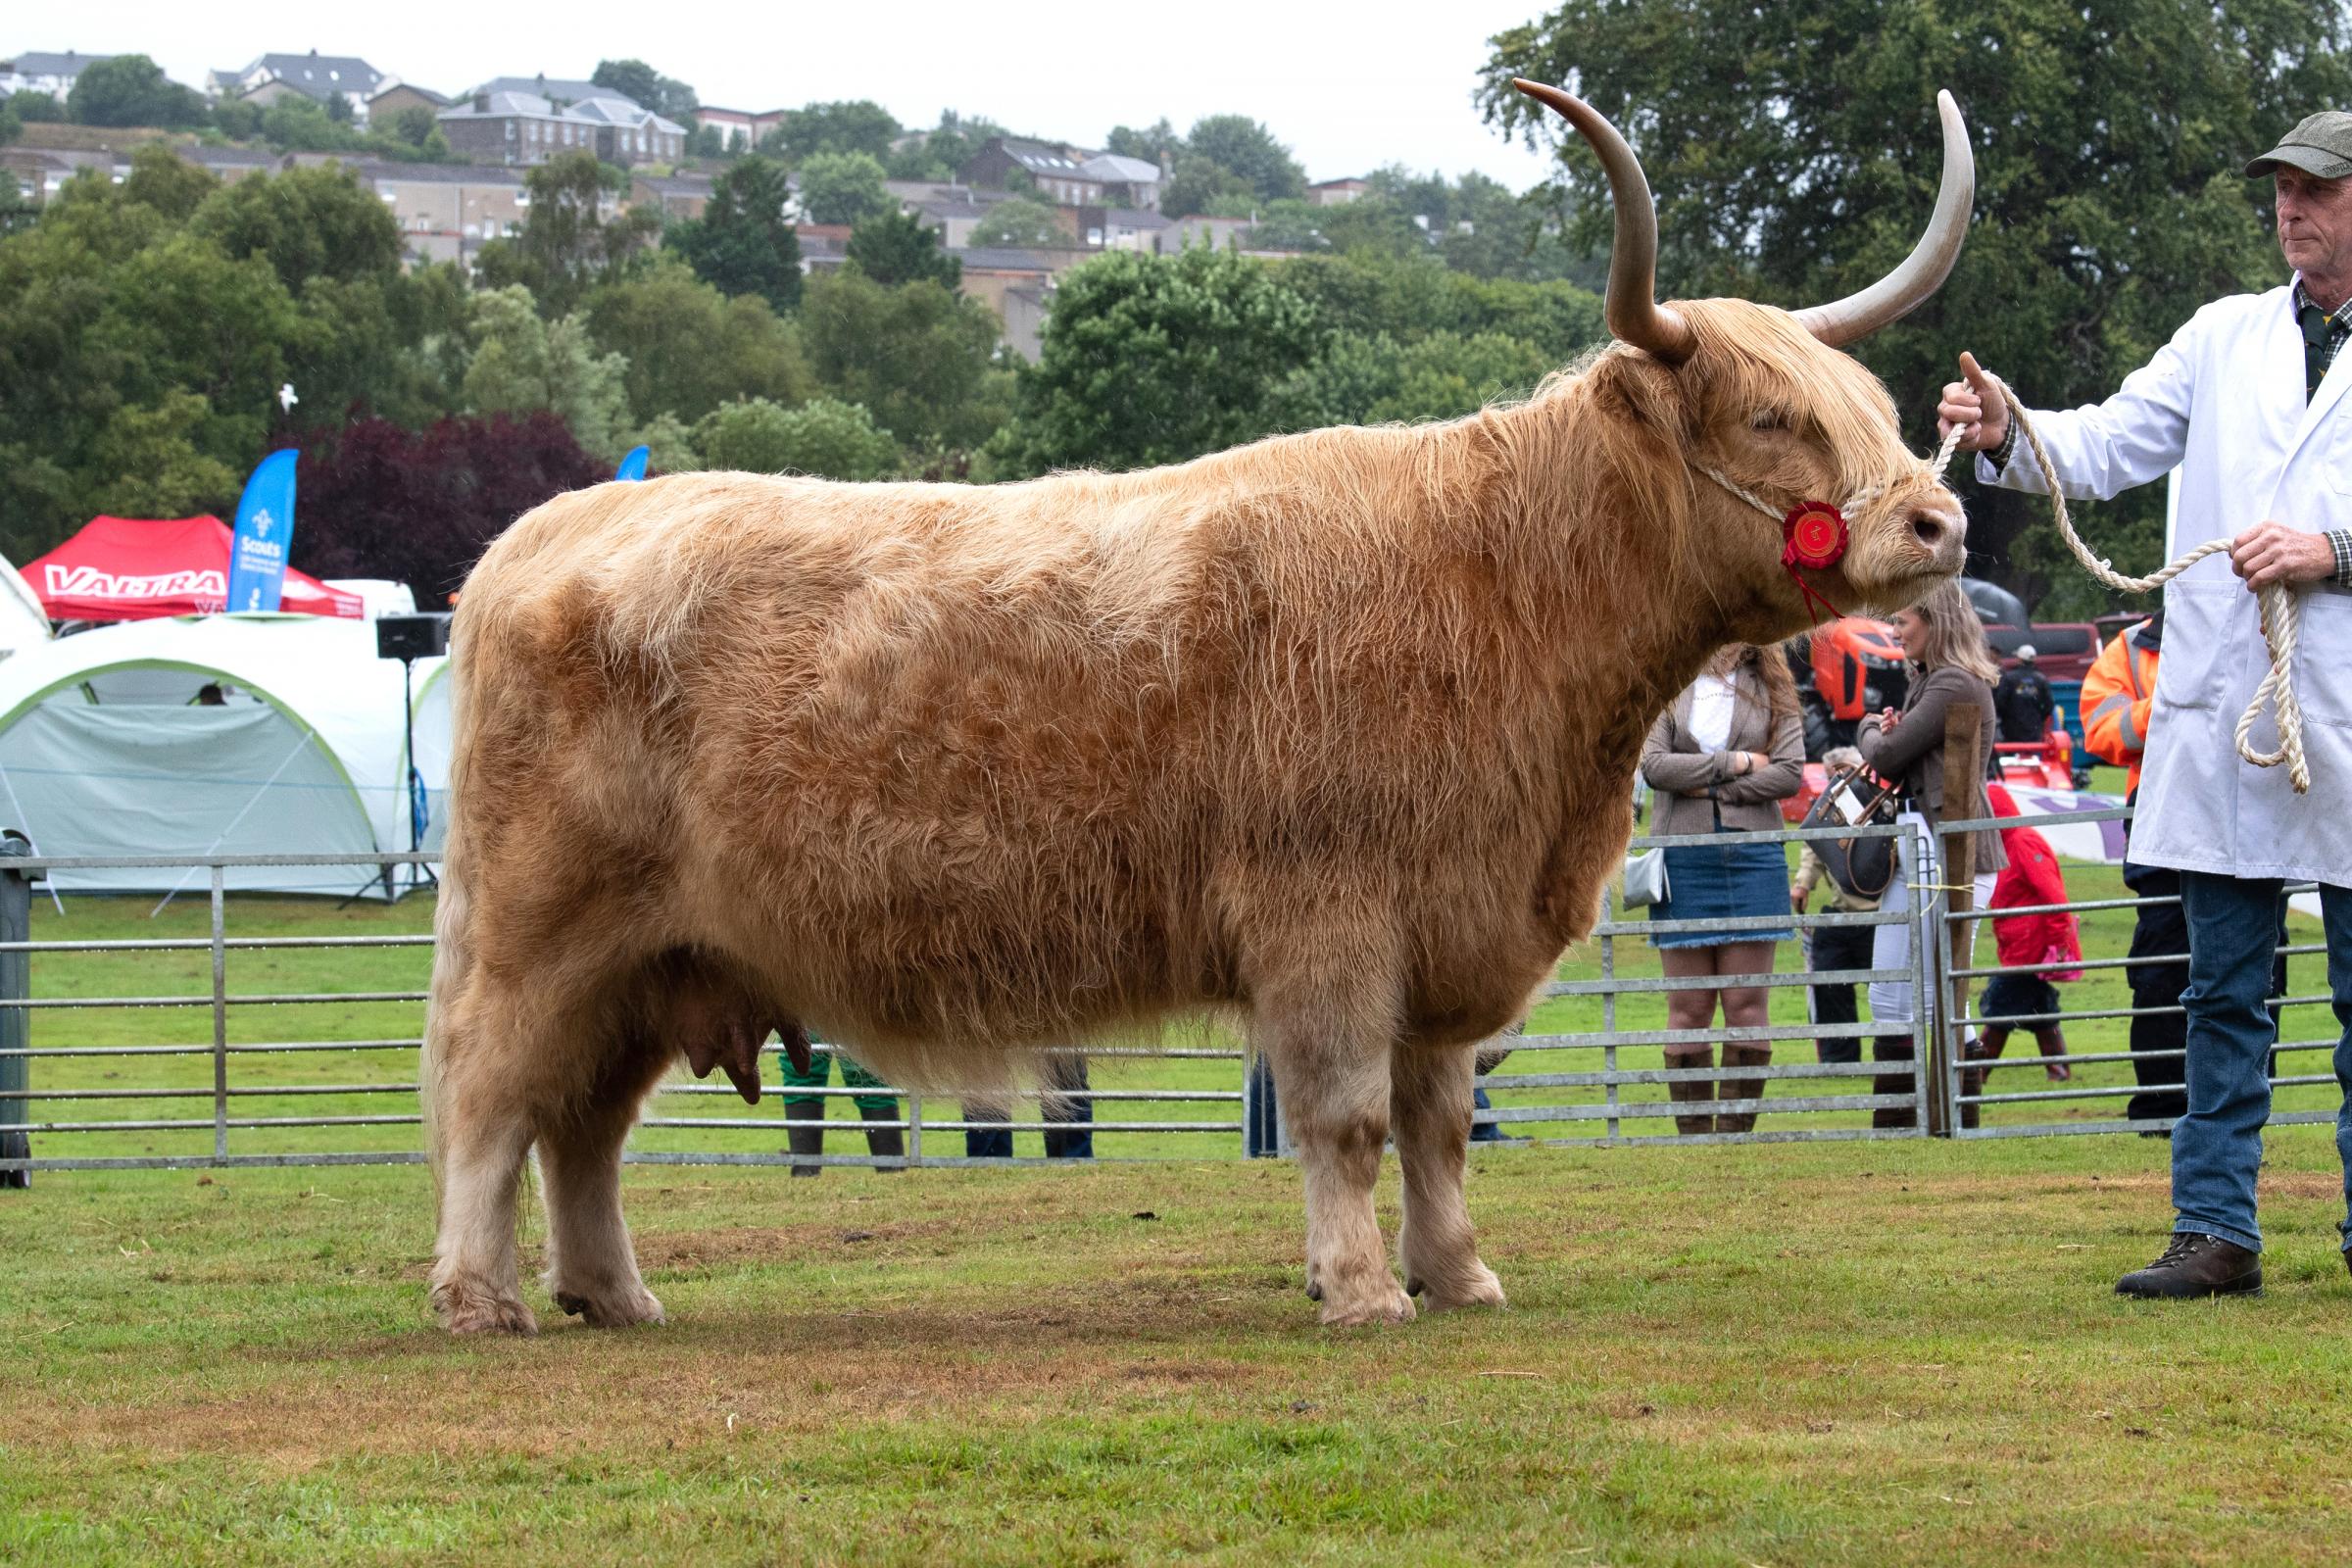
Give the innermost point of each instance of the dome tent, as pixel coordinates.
(216, 734)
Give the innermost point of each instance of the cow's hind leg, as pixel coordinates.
(479, 1088)
(1430, 1107)
(591, 1264)
(1330, 1052)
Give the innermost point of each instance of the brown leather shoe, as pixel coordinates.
(2196, 1264)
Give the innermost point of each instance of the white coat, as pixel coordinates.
(2224, 402)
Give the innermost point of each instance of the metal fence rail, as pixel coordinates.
(191, 1071)
(1984, 1112)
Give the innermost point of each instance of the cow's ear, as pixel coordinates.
(1653, 395)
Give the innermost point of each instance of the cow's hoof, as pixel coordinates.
(474, 1311)
(1478, 1288)
(1392, 1305)
(612, 1310)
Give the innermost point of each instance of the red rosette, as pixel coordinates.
(1813, 535)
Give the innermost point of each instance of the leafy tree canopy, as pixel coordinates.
(572, 240)
(1156, 358)
(666, 96)
(843, 188)
(825, 437)
(1019, 220)
(917, 355)
(742, 243)
(688, 347)
(855, 127)
(901, 248)
(132, 90)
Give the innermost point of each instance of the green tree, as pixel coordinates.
(901, 248)
(132, 90)
(1155, 143)
(843, 188)
(299, 124)
(237, 119)
(640, 82)
(11, 127)
(415, 124)
(1368, 380)
(689, 348)
(521, 361)
(1202, 185)
(568, 245)
(304, 223)
(338, 109)
(1018, 220)
(853, 126)
(1156, 358)
(706, 141)
(742, 243)
(35, 108)
(944, 150)
(825, 438)
(163, 180)
(1247, 148)
(1793, 153)
(917, 354)
(149, 464)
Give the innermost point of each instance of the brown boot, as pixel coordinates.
(1892, 1049)
(2196, 1265)
(884, 1143)
(1694, 1089)
(1741, 1055)
(804, 1140)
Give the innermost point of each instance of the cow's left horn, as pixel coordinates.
(1930, 263)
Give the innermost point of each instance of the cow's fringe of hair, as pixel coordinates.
(906, 752)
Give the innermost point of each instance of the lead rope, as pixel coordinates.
(2282, 609)
(2281, 615)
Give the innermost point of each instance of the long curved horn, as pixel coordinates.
(1930, 263)
(1633, 310)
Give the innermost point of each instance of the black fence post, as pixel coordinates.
(16, 1023)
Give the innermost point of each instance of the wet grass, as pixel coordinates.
(1826, 1353)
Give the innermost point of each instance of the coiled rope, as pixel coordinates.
(2281, 614)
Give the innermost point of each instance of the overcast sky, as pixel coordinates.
(1347, 87)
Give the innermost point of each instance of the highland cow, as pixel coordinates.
(1333, 734)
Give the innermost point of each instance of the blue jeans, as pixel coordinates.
(2217, 1146)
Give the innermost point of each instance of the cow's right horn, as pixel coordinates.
(1633, 311)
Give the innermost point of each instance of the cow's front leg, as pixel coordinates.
(1429, 1089)
(1333, 1089)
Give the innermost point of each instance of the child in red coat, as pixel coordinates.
(2012, 1000)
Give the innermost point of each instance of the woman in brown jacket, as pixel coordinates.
(1721, 761)
(1945, 642)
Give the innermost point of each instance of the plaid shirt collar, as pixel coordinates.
(2339, 325)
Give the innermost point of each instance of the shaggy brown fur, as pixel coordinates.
(1335, 732)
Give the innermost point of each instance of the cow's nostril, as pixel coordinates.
(1927, 528)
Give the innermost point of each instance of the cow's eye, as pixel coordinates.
(1769, 419)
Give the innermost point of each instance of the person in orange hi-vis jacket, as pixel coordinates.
(2117, 697)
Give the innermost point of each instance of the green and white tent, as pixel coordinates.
(212, 734)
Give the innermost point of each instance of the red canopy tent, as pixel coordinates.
(123, 569)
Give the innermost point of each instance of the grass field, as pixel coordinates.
(1786, 1355)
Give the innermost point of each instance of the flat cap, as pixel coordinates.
(2320, 145)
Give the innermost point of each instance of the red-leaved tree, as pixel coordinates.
(420, 505)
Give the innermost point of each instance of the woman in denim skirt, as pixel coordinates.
(1720, 760)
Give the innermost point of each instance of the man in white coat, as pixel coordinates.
(2249, 401)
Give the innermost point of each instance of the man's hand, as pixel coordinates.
(1975, 402)
(2272, 553)
(1797, 901)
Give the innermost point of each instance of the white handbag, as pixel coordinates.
(1645, 879)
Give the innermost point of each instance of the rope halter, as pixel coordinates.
(1814, 535)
